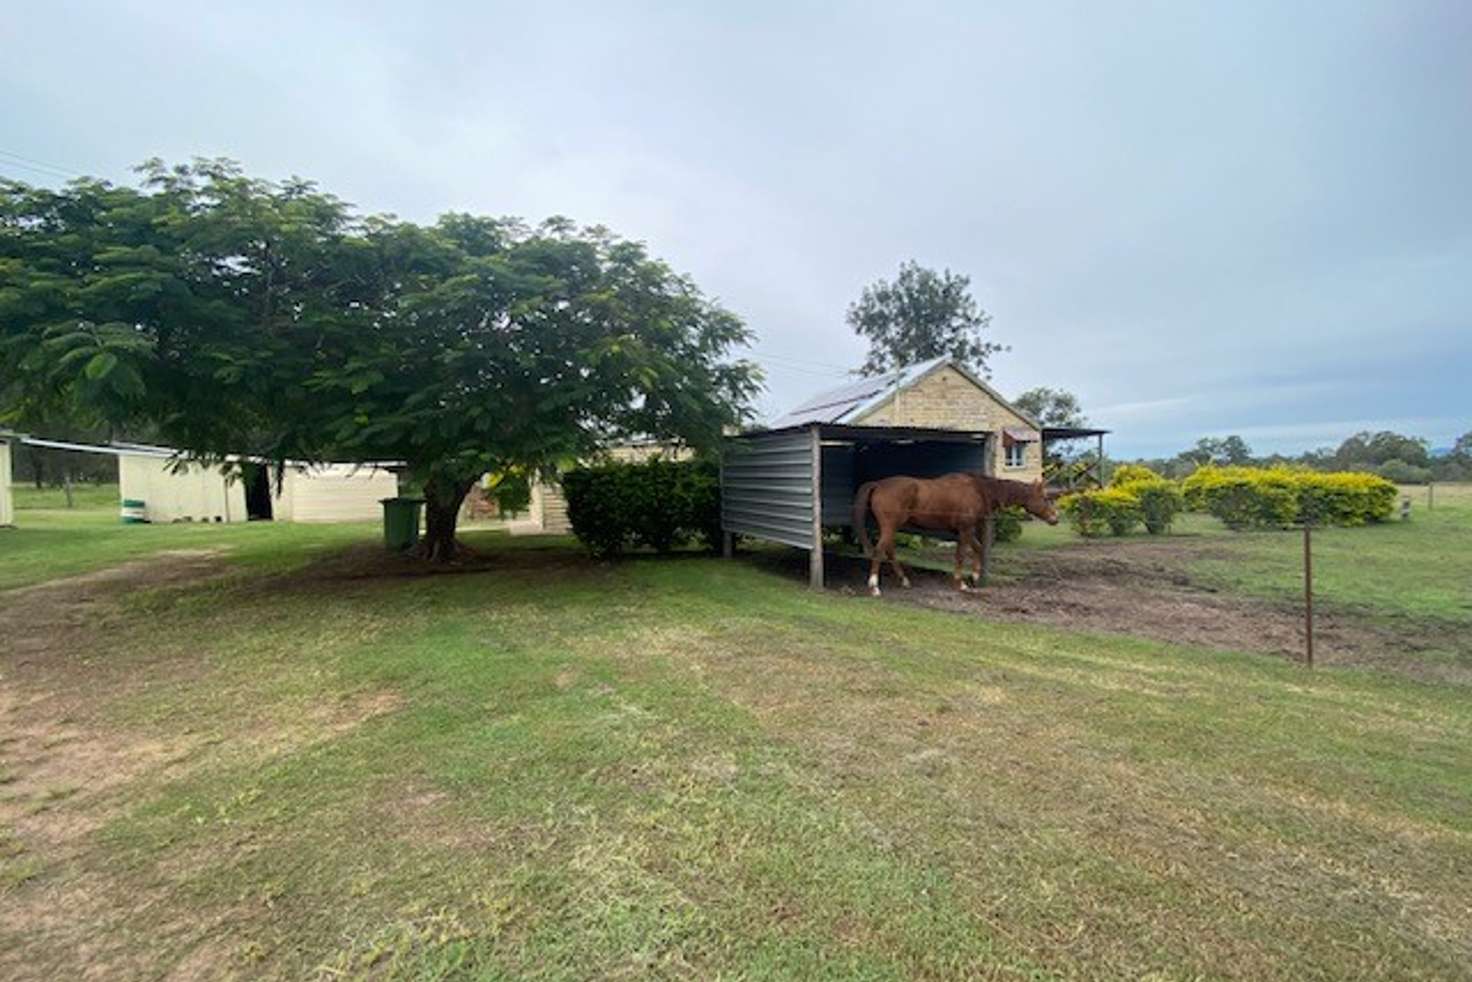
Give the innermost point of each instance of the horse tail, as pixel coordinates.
(861, 515)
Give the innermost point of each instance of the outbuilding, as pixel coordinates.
(790, 484)
(7, 497)
(159, 486)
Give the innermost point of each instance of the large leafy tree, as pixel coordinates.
(1374, 449)
(234, 314)
(922, 315)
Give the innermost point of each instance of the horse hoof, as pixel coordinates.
(905, 583)
(873, 591)
(964, 588)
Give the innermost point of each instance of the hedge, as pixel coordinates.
(1160, 502)
(1132, 473)
(1272, 497)
(1092, 513)
(659, 504)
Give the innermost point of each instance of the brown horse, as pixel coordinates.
(956, 503)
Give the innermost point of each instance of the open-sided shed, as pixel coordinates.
(787, 485)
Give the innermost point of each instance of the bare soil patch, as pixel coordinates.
(1145, 590)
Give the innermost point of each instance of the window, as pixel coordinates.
(1016, 454)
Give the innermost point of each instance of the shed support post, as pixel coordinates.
(728, 545)
(815, 554)
(1099, 463)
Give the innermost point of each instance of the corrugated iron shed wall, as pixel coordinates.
(767, 487)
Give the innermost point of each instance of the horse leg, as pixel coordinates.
(962, 541)
(886, 535)
(978, 550)
(894, 563)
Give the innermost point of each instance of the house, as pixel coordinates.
(936, 394)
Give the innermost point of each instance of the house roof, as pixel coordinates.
(853, 401)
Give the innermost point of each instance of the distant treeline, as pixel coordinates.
(1400, 458)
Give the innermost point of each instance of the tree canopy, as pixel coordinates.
(1052, 407)
(1369, 450)
(232, 314)
(922, 315)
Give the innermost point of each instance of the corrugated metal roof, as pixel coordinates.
(848, 402)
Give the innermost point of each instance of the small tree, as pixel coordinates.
(922, 315)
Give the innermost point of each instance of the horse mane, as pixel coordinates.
(1001, 492)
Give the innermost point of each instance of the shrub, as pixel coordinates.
(1160, 502)
(658, 503)
(1007, 524)
(1269, 497)
(1092, 513)
(1132, 473)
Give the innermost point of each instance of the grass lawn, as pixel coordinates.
(293, 757)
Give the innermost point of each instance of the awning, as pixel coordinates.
(1019, 434)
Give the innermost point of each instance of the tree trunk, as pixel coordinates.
(442, 500)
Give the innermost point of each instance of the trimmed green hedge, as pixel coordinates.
(659, 504)
(1272, 497)
(1160, 502)
(1093, 513)
(1146, 499)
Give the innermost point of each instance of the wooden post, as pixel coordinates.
(1308, 595)
(815, 555)
(1430, 495)
(728, 545)
(1099, 474)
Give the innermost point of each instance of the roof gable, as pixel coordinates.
(851, 402)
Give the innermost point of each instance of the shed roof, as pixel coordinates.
(851, 402)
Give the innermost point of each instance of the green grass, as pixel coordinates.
(694, 768)
(52, 543)
(85, 497)
(1418, 568)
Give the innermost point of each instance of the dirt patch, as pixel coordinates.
(1145, 590)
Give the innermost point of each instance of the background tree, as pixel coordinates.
(1051, 407)
(239, 315)
(1366, 451)
(1222, 451)
(1463, 447)
(922, 315)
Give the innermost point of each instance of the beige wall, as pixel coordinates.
(7, 500)
(946, 399)
(333, 493)
(198, 494)
(553, 510)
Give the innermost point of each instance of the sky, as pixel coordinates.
(1203, 219)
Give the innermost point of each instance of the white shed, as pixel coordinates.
(7, 500)
(333, 493)
(175, 492)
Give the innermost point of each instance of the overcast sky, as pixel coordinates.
(1202, 219)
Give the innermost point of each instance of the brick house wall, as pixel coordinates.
(947, 399)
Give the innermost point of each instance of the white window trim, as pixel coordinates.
(1020, 462)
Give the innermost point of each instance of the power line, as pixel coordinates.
(39, 166)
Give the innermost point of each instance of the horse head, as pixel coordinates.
(1039, 503)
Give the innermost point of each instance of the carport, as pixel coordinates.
(787, 485)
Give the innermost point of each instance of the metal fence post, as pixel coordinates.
(1308, 594)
